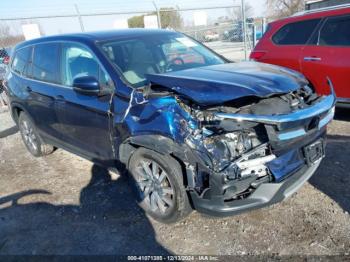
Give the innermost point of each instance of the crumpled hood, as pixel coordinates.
(216, 84)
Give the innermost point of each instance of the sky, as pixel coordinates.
(43, 7)
(259, 7)
(32, 8)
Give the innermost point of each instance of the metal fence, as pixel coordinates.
(221, 27)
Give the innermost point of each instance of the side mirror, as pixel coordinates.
(86, 85)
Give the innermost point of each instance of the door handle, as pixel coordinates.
(312, 58)
(29, 89)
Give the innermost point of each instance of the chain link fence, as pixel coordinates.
(221, 27)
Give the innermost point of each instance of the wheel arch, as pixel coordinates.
(16, 110)
(157, 143)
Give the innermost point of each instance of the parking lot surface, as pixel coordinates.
(63, 204)
(231, 50)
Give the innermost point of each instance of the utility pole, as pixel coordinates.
(79, 17)
(244, 28)
(158, 15)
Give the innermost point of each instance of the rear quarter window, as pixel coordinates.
(21, 61)
(297, 33)
(335, 32)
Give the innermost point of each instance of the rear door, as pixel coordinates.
(288, 42)
(84, 120)
(328, 55)
(41, 85)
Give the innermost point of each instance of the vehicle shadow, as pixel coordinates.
(333, 176)
(8, 132)
(107, 221)
(342, 114)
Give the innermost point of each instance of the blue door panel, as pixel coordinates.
(41, 107)
(84, 122)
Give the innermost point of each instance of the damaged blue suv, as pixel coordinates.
(193, 130)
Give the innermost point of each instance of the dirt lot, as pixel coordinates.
(62, 204)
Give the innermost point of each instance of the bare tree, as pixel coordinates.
(9, 35)
(283, 8)
(4, 30)
(235, 14)
(4, 34)
(249, 10)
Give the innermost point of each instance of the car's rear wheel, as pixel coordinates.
(31, 138)
(159, 187)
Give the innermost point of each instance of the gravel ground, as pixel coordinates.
(63, 204)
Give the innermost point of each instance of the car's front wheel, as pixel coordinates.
(159, 186)
(31, 138)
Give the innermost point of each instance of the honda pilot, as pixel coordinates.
(200, 133)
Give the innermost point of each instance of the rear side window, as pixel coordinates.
(295, 33)
(21, 61)
(45, 62)
(335, 32)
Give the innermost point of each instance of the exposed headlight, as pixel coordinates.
(227, 147)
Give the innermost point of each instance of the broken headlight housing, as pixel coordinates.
(226, 148)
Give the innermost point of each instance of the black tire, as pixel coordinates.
(31, 138)
(173, 182)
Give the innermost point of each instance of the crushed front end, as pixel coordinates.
(255, 152)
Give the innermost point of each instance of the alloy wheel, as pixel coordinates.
(29, 136)
(154, 186)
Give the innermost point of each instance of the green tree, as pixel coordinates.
(169, 17)
(136, 22)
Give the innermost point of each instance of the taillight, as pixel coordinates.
(6, 60)
(256, 55)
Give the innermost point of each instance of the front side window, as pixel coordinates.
(21, 61)
(335, 32)
(295, 33)
(45, 62)
(179, 53)
(138, 56)
(78, 61)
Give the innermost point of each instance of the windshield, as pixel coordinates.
(163, 53)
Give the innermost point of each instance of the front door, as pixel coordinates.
(329, 56)
(84, 120)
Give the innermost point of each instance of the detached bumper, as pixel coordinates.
(266, 194)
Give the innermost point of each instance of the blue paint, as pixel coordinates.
(292, 134)
(285, 164)
(221, 83)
